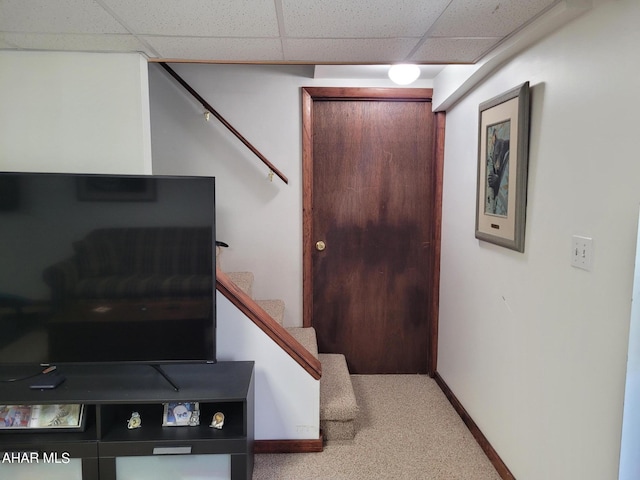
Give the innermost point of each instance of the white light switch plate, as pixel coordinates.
(582, 252)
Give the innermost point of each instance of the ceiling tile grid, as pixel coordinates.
(328, 50)
(271, 31)
(453, 50)
(218, 18)
(77, 42)
(220, 49)
(65, 16)
(360, 19)
(483, 18)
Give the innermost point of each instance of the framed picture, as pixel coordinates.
(503, 155)
(116, 189)
(42, 417)
(181, 414)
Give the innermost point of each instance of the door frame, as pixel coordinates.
(309, 96)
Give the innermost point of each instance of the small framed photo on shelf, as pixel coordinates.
(42, 417)
(181, 414)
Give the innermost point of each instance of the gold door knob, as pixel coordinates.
(320, 245)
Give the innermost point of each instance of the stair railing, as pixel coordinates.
(210, 110)
(268, 325)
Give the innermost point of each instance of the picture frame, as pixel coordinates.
(116, 189)
(181, 414)
(503, 158)
(42, 417)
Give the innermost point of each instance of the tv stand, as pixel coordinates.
(111, 393)
(169, 380)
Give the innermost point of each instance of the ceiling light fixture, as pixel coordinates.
(404, 74)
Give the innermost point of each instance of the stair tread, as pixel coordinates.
(244, 281)
(275, 309)
(337, 398)
(338, 405)
(307, 337)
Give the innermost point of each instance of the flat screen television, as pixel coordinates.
(106, 268)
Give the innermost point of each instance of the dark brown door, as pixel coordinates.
(371, 222)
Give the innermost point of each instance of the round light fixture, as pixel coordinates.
(404, 74)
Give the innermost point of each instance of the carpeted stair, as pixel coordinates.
(338, 407)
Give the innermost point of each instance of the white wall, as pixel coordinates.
(287, 397)
(260, 220)
(536, 349)
(74, 112)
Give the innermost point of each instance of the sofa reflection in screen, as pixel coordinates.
(135, 263)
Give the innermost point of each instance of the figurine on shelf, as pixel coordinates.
(135, 421)
(194, 420)
(217, 421)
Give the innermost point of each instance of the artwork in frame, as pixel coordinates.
(178, 414)
(113, 189)
(503, 157)
(42, 417)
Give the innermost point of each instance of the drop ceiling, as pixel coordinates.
(358, 32)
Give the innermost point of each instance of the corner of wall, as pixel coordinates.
(455, 81)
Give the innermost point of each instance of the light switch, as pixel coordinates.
(582, 252)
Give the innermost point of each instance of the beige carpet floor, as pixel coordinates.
(406, 430)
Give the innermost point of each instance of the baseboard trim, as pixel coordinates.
(489, 451)
(288, 446)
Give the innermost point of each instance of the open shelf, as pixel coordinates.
(112, 393)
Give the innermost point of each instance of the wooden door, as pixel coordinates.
(370, 223)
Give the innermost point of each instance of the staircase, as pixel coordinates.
(338, 407)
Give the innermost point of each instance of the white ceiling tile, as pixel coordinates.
(221, 18)
(5, 44)
(358, 18)
(217, 49)
(347, 50)
(309, 31)
(63, 16)
(75, 42)
(487, 18)
(453, 50)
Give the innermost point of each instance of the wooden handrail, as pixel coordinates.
(222, 120)
(268, 325)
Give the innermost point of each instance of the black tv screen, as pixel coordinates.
(106, 268)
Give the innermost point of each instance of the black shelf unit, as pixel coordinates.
(110, 393)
